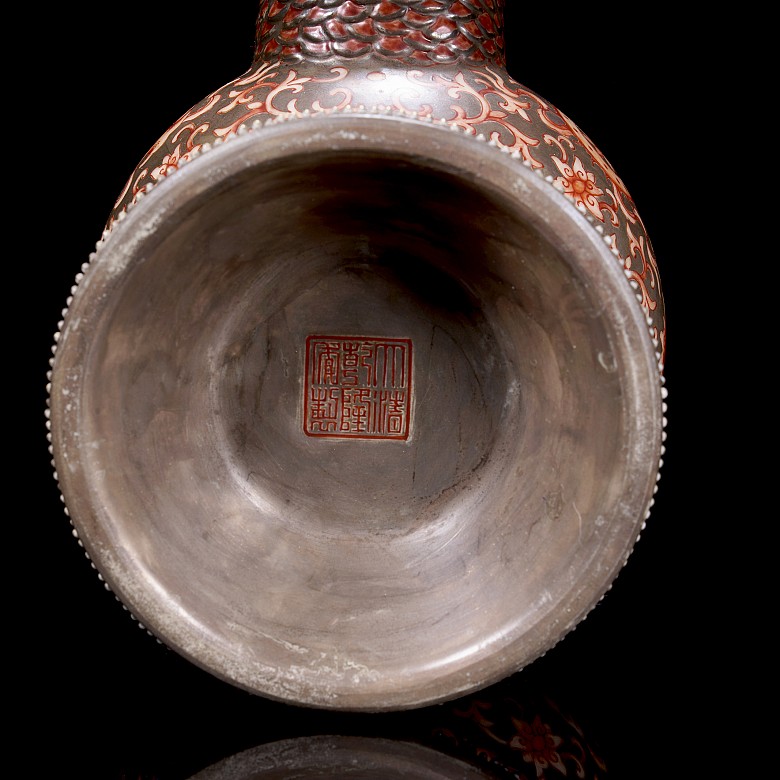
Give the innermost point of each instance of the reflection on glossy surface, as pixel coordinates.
(326, 756)
(518, 733)
(507, 731)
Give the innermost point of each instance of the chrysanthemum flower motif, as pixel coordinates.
(538, 744)
(580, 185)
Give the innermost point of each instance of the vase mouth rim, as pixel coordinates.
(516, 196)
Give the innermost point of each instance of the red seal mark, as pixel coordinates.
(357, 387)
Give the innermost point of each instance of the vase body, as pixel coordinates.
(358, 403)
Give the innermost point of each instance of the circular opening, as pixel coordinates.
(355, 426)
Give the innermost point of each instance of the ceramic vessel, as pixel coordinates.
(359, 402)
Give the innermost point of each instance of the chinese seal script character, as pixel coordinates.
(357, 387)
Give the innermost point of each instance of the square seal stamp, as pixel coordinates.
(357, 387)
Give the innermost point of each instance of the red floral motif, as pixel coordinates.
(507, 106)
(538, 744)
(634, 250)
(508, 734)
(580, 185)
(619, 192)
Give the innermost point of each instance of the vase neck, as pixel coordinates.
(414, 32)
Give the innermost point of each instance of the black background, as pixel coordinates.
(646, 674)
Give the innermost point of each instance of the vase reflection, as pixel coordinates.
(504, 732)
